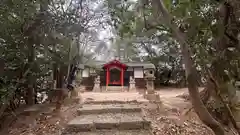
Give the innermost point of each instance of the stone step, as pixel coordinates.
(114, 88)
(115, 102)
(113, 132)
(122, 121)
(108, 108)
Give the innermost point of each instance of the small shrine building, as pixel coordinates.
(117, 73)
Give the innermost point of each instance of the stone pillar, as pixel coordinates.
(150, 85)
(150, 93)
(96, 87)
(132, 84)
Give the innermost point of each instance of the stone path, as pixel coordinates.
(110, 114)
(112, 96)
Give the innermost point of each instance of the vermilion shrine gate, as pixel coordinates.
(118, 70)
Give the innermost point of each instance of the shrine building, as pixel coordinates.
(116, 73)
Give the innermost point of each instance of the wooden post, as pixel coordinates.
(122, 76)
(107, 78)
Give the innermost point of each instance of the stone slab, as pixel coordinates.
(108, 108)
(115, 102)
(114, 88)
(82, 124)
(113, 132)
(124, 97)
(124, 121)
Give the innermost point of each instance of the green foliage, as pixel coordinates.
(197, 19)
(149, 41)
(35, 35)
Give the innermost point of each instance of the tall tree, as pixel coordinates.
(34, 38)
(207, 38)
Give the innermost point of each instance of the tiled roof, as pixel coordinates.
(145, 65)
(140, 64)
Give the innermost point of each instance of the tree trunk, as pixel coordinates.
(29, 32)
(190, 69)
(227, 36)
(31, 80)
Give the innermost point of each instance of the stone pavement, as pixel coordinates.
(108, 108)
(120, 97)
(110, 114)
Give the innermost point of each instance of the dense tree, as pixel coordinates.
(205, 32)
(40, 39)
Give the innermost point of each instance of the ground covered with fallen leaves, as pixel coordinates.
(166, 121)
(168, 118)
(46, 124)
(172, 115)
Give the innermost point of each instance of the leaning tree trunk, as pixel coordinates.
(226, 38)
(190, 69)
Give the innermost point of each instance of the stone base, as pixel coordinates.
(96, 89)
(132, 89)
(114, 89)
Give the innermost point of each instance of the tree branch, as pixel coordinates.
(190, 69)
(226, 106)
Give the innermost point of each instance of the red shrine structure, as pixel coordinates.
(112, 65)
(116, 73)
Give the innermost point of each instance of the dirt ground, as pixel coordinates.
(171, 118)
(169, 98)
(168, 118)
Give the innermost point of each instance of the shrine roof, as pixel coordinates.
(145, 65)
(115, 63)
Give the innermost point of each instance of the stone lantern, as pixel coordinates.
(150, 92)
(149, 78)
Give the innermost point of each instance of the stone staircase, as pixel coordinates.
(109, 119)
(114, 88)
